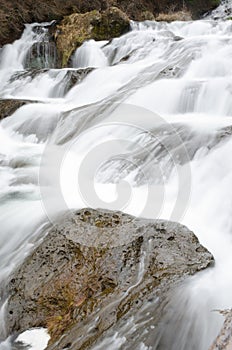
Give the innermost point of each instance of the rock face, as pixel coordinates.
(94, 267)
(76, 28)
(13, 14)
(224, 339)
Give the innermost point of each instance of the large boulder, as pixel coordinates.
(76, 28)
(96, 267)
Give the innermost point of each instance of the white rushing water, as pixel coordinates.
(147, 131)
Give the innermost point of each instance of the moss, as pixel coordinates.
(67, 299)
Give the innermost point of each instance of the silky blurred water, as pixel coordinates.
(148, 132)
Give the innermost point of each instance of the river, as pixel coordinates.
(146, 131)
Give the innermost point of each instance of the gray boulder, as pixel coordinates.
(96, 267)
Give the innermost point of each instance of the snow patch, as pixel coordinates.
(37, 338)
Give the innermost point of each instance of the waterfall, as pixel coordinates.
(43, 53)
(90, 54)
(35, 50)
(144, 123)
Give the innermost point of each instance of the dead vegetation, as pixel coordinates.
(13, 14)
(174, 16)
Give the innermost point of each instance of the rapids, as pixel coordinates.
(146, 131)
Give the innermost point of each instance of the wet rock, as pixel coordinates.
(224, 339)
(75, 29)
(170, 140)
(9, 106)
(93, 268)
(74, 77)
(43, 54)
(71, 77)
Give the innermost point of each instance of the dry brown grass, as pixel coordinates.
(14, 13)
(174, 16)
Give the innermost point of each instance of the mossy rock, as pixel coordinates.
(77, 28)
(98, 267)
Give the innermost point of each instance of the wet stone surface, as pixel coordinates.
(96, 267)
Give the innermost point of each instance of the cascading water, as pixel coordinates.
(180, 71)
(224, 11)
(90, 54)
(43, 53)
(33, 49)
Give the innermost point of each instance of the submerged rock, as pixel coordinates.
(95, 267)
(43, 53)
(9, 106)
(71, 77)
(224, 339)
(76, 28)
(74, 77)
